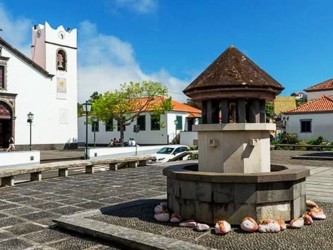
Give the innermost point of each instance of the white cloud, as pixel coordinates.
(139, 6)
(107, 61)
(104, 61)
(16, 30)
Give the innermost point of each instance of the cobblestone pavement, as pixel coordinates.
(27, 209)
(140, 217)
(284, 157)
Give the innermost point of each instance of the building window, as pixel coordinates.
(306, 126)
(61, 60)
(2, 77)
(95, 126)
(141, 121)
(155, 122)
(179, 124)
(109, 126)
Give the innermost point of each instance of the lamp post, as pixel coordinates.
(176, 123)
(94, 126)
(86, 108)
(29, 120)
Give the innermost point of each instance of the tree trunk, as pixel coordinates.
(121, 139)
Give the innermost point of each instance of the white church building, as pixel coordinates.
(44, 85)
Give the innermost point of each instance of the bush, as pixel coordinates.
(288, 138)
(302, 143)
(317, 141)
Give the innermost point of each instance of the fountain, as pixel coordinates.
(234, 177)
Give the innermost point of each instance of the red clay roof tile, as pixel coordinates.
(176, 106)
(328, 84)
(321, 104)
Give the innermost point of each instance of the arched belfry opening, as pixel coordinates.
(61, 60)
(6, 124)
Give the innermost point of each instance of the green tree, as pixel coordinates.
(130, 101)
(94, 96)
(269, 109)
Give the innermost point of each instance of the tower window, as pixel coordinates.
(61, 60)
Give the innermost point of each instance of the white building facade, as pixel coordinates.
(320, 89)
(151, 133)
(314, 125)
(312, 119)
(45, 85)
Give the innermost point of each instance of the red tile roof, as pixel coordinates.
(176, 106)
(194, 115)
(321, 104)
(326, 85)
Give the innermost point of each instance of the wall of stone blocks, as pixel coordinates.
(208, 202)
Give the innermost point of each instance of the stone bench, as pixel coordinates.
(129, 161)
(8, 174)
(304, 146)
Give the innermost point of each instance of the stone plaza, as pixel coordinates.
(27, 211)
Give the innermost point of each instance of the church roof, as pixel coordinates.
(25, 58)
(233, 70)
(321, 104)
(322, 86)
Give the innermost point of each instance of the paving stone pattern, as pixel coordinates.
(141, 217)
(27, 209)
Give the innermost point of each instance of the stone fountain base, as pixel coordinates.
(208, 197)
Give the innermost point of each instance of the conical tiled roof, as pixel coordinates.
(233, 72)
(321, 104)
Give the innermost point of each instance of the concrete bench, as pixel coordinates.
(304, 146)
(129, 161)
(8, 174)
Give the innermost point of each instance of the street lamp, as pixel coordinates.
(86, 108)
(176, 123)
(29, 120)
(94, 126)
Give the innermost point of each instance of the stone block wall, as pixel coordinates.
(218, 197)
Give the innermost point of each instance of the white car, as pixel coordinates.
(169, 152)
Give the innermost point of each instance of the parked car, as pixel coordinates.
(169, 152)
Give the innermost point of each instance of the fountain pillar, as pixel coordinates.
(234, 147)
(234, 177)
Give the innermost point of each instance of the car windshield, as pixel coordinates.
(165, 150)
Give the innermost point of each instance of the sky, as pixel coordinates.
(173, 41)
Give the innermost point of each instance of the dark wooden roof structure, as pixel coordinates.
(233, 75)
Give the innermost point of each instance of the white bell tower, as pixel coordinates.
(55, 50)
